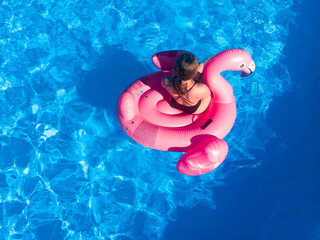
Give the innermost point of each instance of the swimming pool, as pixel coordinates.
(69, 172)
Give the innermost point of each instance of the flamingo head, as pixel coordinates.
(232, 59)
(247, 70)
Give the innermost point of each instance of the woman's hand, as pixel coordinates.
(200, 67)
(198, 76)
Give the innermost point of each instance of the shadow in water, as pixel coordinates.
(116, 70)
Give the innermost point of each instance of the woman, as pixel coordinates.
(188, 93)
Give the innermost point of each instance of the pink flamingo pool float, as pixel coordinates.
(145, 115)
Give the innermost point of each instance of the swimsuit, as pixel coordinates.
(187, 109)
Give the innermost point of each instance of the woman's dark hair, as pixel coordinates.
(185, 67)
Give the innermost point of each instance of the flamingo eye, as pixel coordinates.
(242, 65)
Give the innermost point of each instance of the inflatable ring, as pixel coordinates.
(145, 115)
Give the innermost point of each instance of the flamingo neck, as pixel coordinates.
(226, 60)
(222, 91)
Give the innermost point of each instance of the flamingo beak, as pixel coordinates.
(249, 70)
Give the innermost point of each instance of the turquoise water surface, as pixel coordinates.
(67, 170)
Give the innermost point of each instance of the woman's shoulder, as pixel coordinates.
(166, 81)
(167, 78)
(202, 89)
(201, 85)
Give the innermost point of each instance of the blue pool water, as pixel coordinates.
(67, 171)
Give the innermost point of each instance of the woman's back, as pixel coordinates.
(197, 94)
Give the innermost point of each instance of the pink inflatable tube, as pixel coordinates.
(145, 115)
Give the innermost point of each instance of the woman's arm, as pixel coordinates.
(162, 82)
(203, 91)
(200, 67)
(198, 77)
(165, 82)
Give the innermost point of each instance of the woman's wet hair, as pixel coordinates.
(185, 66)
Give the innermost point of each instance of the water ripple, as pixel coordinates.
(67, 171)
